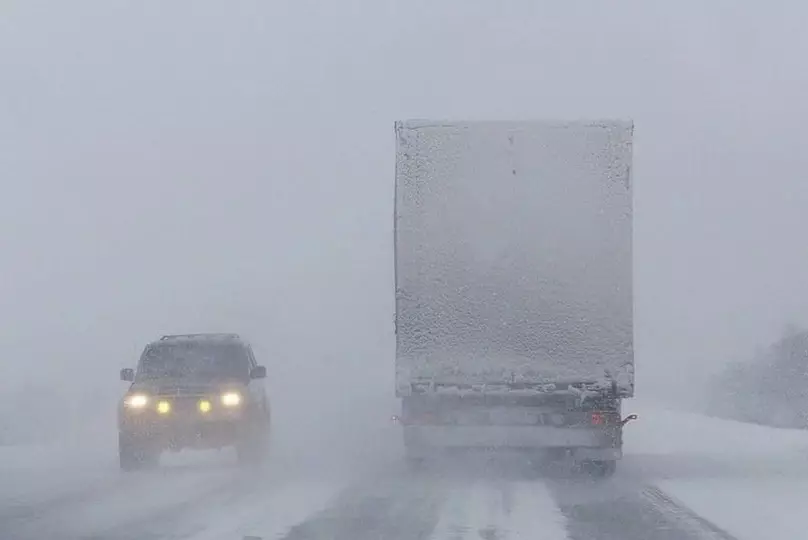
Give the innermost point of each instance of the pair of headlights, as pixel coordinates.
(140, 401)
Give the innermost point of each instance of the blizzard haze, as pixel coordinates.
(210, 166)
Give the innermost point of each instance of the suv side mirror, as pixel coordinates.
(128, 374)
(258, 372)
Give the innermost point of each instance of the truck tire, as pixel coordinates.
(603, 469)
(415, 458)
(134, 455)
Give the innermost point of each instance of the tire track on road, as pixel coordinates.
(626, 510)
(500, 509)
(406, 509)
(28, 508)
(93, 516)
(685, 516)
(172, 521)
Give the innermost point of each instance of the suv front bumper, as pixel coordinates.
(162, 435)
(183, 427)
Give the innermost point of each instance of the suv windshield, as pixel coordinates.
(195, 360)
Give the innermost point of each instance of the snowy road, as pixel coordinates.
(685, 477)
(217, 500)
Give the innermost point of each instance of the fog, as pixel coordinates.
(213, 166)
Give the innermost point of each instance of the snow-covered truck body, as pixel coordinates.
(513, 271)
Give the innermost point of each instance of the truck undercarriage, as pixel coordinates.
(586, 430)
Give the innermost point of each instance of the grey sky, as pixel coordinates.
(182, 166)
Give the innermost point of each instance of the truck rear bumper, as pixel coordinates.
(585, 444)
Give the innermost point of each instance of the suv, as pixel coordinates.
(193, 391)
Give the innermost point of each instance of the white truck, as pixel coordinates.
(513, 274)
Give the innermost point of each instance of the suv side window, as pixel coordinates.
(253, 363)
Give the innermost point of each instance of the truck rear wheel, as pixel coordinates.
(602, 469)
(414, 457)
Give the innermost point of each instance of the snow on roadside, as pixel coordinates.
(748, 508)
(115, 505)
(749, 480)
(36, 473)
(41, 457)
(663, 431)
(665, 444)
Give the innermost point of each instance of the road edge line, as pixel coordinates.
(683, 514)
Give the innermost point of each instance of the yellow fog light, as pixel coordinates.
(204, 406)
(136, 401)
(163, 407)
(231, 399)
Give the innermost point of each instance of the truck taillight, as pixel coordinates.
(604, 418)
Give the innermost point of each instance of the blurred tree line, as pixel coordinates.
(771, 388)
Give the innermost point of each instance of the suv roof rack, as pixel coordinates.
(203, 335)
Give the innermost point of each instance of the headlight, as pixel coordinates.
(231, 399)
(204, 406)
(136, 401)
(163, 407)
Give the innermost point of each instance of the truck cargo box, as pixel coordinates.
(513, 256)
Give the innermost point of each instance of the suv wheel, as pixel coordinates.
(135, 455)
(252, 448)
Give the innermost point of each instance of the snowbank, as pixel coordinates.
(747, 508)
(749, 480)
(665, 444)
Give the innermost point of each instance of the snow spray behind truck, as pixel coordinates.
(514, 300)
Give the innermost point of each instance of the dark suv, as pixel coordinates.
(193, 391)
